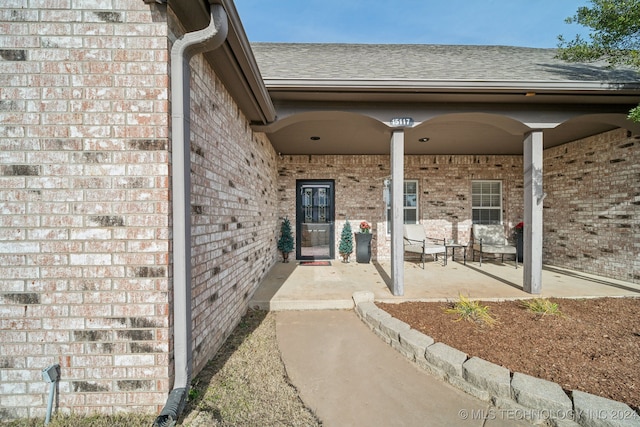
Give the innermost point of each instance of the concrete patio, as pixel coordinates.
(290, 286)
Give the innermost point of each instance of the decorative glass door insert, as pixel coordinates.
(314, 220)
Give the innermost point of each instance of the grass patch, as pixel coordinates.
(542, 306)
(471, 311)
(246, 384)
(59, 420)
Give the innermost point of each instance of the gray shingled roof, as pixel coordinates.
(425, 62)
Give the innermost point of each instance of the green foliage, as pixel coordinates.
(194, 393)
(541, 306)
(285, 243)
(346, 240)
(615, 37)
(471, 311)
(634, 114)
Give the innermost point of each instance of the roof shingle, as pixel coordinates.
(426, 62)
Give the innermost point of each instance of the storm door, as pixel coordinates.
(314, 220)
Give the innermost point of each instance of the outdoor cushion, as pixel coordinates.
(416, 241)
(496, 249)
(490, 238)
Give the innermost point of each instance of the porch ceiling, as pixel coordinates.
(346, 133)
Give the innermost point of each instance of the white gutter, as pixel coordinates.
(182, 51)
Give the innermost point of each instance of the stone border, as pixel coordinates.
(532, 399)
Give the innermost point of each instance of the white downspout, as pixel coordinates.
(182, 51)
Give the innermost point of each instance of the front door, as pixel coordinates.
(314, 219)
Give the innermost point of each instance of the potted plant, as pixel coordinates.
(346, 242)
(518, 230)
(285, 243)
(363, 243)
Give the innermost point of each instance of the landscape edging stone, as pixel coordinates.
(541, 394)
(534, 398)
(617, 414)
(375, 316)
(494, 378)
(415, 342)
(392, 327)
(446, 358)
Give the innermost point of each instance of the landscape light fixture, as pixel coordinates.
(51, 374)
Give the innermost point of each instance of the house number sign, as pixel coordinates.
(402, 122)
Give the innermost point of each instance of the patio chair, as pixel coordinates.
(417, 242)
(492, 239)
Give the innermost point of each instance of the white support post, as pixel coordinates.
(533, 199)
(397, 212)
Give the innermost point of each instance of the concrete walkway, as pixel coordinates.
(350, 377)
(294, 287)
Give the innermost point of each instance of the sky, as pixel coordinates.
(526, 23)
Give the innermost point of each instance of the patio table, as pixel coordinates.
(453, 246)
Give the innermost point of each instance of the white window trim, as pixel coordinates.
(387, 200)
(499, 208)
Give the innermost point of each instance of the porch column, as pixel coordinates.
(533, 197)
(397, 212)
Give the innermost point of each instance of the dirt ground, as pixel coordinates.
(594, 346)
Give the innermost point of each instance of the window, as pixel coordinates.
(410, 198)
(486, 202)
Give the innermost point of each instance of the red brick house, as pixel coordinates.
(145, 167)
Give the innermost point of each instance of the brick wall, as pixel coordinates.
(591, 212)
(444, 185)
(85, 268)
(233, 209)
(84, 204)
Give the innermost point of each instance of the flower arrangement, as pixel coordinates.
(365, 227)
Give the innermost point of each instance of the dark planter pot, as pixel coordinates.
(519, 242)
(363, 247)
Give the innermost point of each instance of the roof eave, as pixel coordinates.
(234, 62)
(448, 85)
(240, 50)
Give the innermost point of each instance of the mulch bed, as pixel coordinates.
(594, 346)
